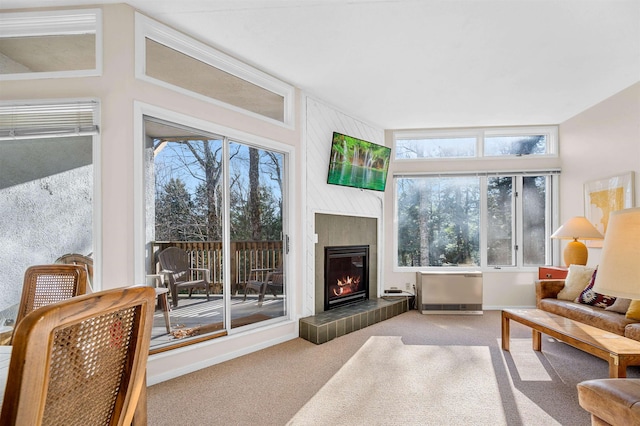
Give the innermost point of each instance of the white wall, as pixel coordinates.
(600, 142)
(321, 120)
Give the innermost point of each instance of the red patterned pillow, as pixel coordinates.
(590, 297)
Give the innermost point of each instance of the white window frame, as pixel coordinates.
(551, 220)
(139, 235)
(59, 22)
(479, 134)
(43, 104)
(148, 28)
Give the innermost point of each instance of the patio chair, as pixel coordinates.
(79, 259)
(177, 267)
(273, 281)
(81, 361)
(46, 284)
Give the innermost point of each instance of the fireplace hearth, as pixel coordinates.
(346, 275)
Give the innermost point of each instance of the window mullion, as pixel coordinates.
(484, 222)
(517, 222)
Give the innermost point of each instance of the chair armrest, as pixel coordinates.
(207, 276)
(548, 289)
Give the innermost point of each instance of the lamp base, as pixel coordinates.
(575, 253)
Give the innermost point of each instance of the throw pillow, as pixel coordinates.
(578, 277)
(634, 310)
(590, 297)
(621, 305)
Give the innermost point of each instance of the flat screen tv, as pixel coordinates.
(358, 163)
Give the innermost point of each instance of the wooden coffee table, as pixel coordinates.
(618, 351)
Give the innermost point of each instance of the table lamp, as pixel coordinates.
(576, 253)
(619, 269)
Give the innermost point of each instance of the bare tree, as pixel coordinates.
(254, 194)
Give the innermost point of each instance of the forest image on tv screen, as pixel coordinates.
(358, 163)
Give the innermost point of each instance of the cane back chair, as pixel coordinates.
(46, 284)
(81, 361)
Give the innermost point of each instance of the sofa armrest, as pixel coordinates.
(547, 289)
(611, 401)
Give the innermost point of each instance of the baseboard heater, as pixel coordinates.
(449, 292)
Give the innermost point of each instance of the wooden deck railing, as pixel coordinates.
(245, 256)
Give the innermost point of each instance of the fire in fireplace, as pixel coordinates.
(346, 275)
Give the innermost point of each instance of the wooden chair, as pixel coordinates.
(79, 259)
(276, 283)
(46, 284)
(81, 361)
(274, 280)
(258, 283)
(177, 267)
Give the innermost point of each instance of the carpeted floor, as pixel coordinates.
(412, 383)
(412, 369)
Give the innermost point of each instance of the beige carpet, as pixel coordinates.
(411, 385)
(419, 370)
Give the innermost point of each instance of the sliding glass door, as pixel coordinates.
(217, 203)
(255, 201)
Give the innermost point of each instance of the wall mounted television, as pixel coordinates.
(358, 163)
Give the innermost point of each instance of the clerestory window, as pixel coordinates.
(476, 143)
(62, 43)
(168, 58)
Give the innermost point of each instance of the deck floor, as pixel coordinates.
(199, 315)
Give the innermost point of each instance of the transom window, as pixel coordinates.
(63, 43)
(474, 143)
(171, 59)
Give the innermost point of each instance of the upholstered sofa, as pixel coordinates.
(609, 401)
(604, 318)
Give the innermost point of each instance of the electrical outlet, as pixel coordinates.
(407, 286)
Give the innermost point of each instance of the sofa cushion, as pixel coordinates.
(590, 297)
(612, 322)
(578, 277)
(634, 310)
(621, 305)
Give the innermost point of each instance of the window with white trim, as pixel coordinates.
(61, 43)
(497, 220)
(47, 187)
(171, 59)
(461, 218)
(476, 143)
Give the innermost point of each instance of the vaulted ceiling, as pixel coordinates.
(424, 63)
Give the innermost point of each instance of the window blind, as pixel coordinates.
(32, 121)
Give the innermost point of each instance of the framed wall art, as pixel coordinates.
(603, 196)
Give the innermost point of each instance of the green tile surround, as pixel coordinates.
(337, 322)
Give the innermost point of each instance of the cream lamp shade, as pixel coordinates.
(619, 269)
(576, 253)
